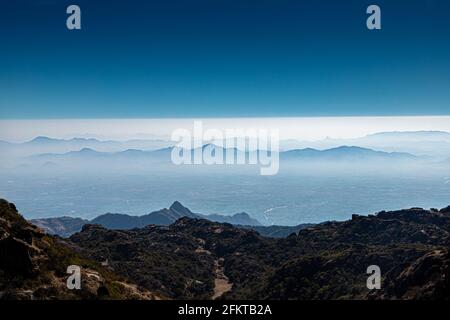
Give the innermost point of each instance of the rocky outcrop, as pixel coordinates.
(15, 256)
(445, 210)
(18, 248)
(33, 265)
(427, 278)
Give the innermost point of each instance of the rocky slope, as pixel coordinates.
(33, 265)
(327, 261)
(200, 259)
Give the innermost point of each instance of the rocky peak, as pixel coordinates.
(178, 208)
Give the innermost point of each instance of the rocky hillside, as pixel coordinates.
(200, 259)
(33, 265)
(191, 257)
(275, 231)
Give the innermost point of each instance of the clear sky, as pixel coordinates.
(223, 58)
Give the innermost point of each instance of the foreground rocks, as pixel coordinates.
(327, 261)
(34, 266)
(200, 259)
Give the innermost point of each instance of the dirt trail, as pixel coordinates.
(221, 282)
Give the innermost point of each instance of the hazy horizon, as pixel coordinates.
(299, 128)
(329, 186)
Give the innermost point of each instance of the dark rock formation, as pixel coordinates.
(15, 256)
(33, 266)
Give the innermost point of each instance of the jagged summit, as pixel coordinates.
(67, 226)
(181, 210)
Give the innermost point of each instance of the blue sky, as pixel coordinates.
(223, 58)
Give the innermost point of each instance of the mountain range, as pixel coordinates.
(342, 153)
(431, 143)
(44, 144)
(66, 226)
(200, 259)
(420, 143)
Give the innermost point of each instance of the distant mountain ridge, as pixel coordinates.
(66, 226)
(414, 135)
(429, 143)
(338, 153)
(345, 152)
(61, 226)
(42, 144)
(414, 142)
